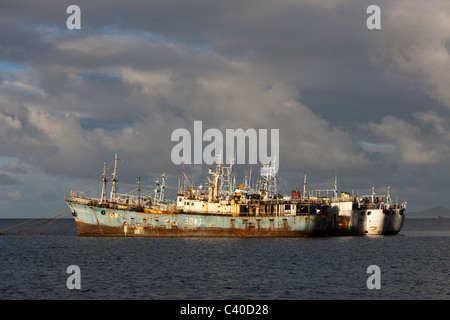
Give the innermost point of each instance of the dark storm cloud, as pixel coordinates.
(369, 103)
(7, 180)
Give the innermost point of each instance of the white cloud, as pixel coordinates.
(411, 145)
(414, 45)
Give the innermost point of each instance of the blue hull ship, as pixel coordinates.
(98, 221)
(220, 209)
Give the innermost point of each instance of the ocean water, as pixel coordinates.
(413, 265)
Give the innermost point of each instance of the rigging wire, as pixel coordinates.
(39, 217)
(44, 223)
(32, 224)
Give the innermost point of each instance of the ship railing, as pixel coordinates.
(78, 195)
(395, 205)
(368, 204)
(322, 193)
(342, 199)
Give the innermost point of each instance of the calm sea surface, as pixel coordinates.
(413, 265)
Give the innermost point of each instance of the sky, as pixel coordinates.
(370, 106)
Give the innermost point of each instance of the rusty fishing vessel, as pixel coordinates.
(218, 209)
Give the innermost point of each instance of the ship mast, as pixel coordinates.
(163, 187)
(157, 189)
(335, 187)
(182, 178)
(304, 187)
(388, 195)
(213, 183)
(138, 179)
(114, 180)
(226, 184)
(270, 179)
(105, 179)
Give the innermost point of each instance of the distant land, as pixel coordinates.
(430, 213)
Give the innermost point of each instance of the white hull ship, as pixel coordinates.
(370, 215)
(364, 215)
(379, 216)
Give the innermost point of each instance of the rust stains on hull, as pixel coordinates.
(85, 229)
(341, 227)
(94, 221)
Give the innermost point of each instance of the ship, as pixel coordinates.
(218, 209)
(362, 214)
(378, 215)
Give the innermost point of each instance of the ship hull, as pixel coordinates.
(96, 221)
(379, 221)
(347, 220)
(373, 221)
(394, 221)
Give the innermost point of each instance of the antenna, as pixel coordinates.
(335, 184)
(182, 177)
(138, 179)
